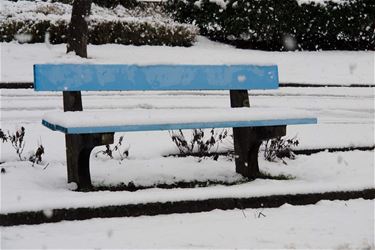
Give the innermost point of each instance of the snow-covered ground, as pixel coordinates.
(345, 119)
(329, 67)
(23, 185)
(327, 225)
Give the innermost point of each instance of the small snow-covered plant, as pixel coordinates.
(198, 143)
(37, 156)
(120, 148)
(3, 136)
(17, 140)
(279, 148)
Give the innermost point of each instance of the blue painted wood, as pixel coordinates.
(153, 127)
(95, 77)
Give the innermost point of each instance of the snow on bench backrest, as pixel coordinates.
(95, 77)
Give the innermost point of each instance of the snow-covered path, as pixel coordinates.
(328, 225)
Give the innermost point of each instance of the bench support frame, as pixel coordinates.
(79, 147)
(248, 140)
(78, 150)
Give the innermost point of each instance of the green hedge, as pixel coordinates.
(31, 21)
(120, 32)
(35, 29)
(106, 3)
(141, 33)
(271, 24)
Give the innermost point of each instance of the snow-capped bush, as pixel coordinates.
(198, 143)
(266, 24)
(17, 141)
(279, 148)
(116, 25)
(106, 3)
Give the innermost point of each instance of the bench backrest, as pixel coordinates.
(96, 77)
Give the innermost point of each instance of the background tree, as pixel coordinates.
(78, 28)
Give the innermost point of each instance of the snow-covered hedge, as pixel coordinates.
(282, 24)
(31, 21)
(105, 3)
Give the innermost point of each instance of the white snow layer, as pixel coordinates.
(327, 225)
(28, 188)
(327, 67)
(168, 116)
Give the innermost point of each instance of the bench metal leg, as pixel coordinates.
(246, 143)
(248, 140)
(78, 149)
(246, 147)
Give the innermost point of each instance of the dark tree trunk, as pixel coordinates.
(78, 28)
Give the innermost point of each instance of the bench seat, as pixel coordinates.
(88, 122)
(85, 130)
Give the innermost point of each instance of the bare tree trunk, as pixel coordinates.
(78, 28)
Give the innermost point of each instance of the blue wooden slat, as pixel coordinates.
(152, 127)
(94, 77)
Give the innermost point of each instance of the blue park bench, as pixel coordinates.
(85, 130)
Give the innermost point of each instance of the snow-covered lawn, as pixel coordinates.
(345, 119)
(327, 225)
(330, 67)
(23, 185)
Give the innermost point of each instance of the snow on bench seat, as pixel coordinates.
(170, 119)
